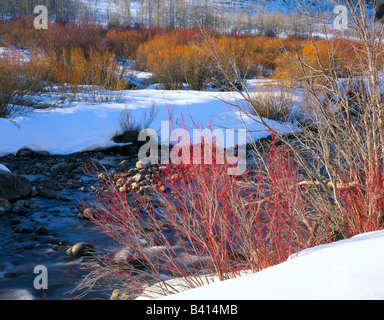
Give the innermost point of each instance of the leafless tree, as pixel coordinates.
(61, 10)
(340, 148)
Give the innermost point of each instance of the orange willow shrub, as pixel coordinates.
(98, 69)
(247, 53)
(178, 57)
(195, 66)
(255, 53)
(175, 56)
(125, 43)
(250, 55)
(173, 64)
(68, 67)
(143, 52)
(237, 49)
(176, 65)
(103, 70)
(319, 57)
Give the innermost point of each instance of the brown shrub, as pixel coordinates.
(19, 31)
(18, 78)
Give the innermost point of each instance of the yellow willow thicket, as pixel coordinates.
(125, 43)
(177, 65)
(175, 60)
(97, 69)
(178, 57)
(315, 59)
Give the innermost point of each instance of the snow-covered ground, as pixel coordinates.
(3, 168)
(351, 269)
(81, 126)
(8, 50)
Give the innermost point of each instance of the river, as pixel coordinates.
(41, 237)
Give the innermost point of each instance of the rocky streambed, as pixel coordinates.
(47, 226)
(44, 222)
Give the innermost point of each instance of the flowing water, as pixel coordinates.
(22, 248)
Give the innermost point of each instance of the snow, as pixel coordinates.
(8, 50)
(81, 126)
(4, 168)
(351, 269)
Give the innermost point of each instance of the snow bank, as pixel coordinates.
(4, 168)
(348, 269)
(85, 126)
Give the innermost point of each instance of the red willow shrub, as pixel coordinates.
(19, 31)
(59, 37)
(362, 204)
(124, 41)
(199, 224)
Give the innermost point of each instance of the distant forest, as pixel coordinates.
(237, 15)
(61, 9)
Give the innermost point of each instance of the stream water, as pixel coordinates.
(41, 237)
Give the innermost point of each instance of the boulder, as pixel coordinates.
(24, 152)
(88, 214)
(80, 249)
(62, 167)
(41, 231)
(128, 258)
(13, 186)
(22, 229)
(5, 206)
(138, 177)
(49, 189)
(44, 154)
(123, 166)
(49, 193)
(121, 295)
(19, 210)
(73, 184)
(15, 272)
(139, 165)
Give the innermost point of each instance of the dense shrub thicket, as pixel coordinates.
(153, 46)
(87, 53)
